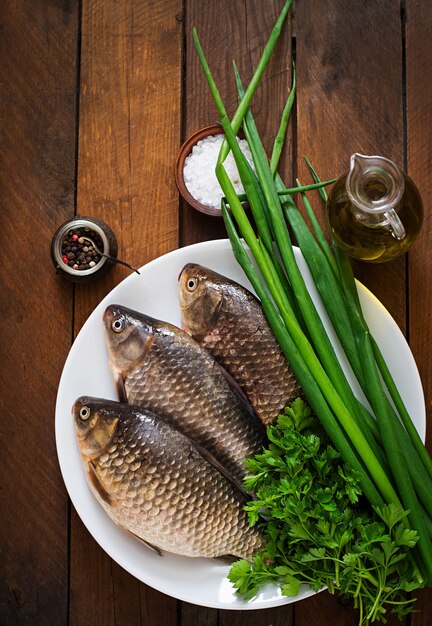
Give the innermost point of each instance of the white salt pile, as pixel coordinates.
(199, 170)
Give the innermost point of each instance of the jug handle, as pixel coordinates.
(398, 230)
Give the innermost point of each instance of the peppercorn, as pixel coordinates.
(78, 252)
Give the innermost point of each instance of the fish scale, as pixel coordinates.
(183, 383)
(228, 321)
(173, 497)
(176, 378)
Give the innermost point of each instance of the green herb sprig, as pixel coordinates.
(318, 529)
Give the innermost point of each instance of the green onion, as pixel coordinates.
(343, 387)
(315, 224)
(356, 313)
(265, 57)
(280, 135)
(292, 190)
(418, 461)
(301, 188)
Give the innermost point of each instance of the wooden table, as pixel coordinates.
(96, 98)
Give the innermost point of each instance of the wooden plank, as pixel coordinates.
(349, 100)
(277, 616)
(194, 615)
(419, 135)
(129, 132)
(231, 30)
(37, 145)
(158, 608)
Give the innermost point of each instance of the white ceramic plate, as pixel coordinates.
(200, 581)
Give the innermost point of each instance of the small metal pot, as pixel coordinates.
(103, 266)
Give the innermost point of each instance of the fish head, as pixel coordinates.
(129, 336)
(201, 295)
(96, 423)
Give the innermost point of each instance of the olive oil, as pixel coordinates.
(361, 222)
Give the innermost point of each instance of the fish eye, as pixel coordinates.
(84, 413)
(117, 324)
(192, 284)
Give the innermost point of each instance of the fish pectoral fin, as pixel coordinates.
(208, 456)
(236, 387)
(97, 485)
(121, 389)
(151, 546)
(227, 559)
(146, 543)
(241, 394)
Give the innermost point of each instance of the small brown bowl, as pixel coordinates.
(185, 150)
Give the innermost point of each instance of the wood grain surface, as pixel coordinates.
(37, 172)
(97, 96)
(129, 132)
(419, 166)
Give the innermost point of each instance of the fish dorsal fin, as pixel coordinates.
(208, 456)
(97, 485)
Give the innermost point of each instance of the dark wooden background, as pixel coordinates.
(96, 97)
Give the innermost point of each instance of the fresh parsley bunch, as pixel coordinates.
(318, 529)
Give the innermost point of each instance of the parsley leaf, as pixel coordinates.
(318, 528)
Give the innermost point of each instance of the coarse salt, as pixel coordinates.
(199, 170)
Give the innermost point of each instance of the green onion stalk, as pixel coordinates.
(366, 421)
(417, 459)
(345, 299)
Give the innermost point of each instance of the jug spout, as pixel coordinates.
(358, 163)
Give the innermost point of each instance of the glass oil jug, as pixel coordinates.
(375, 211)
